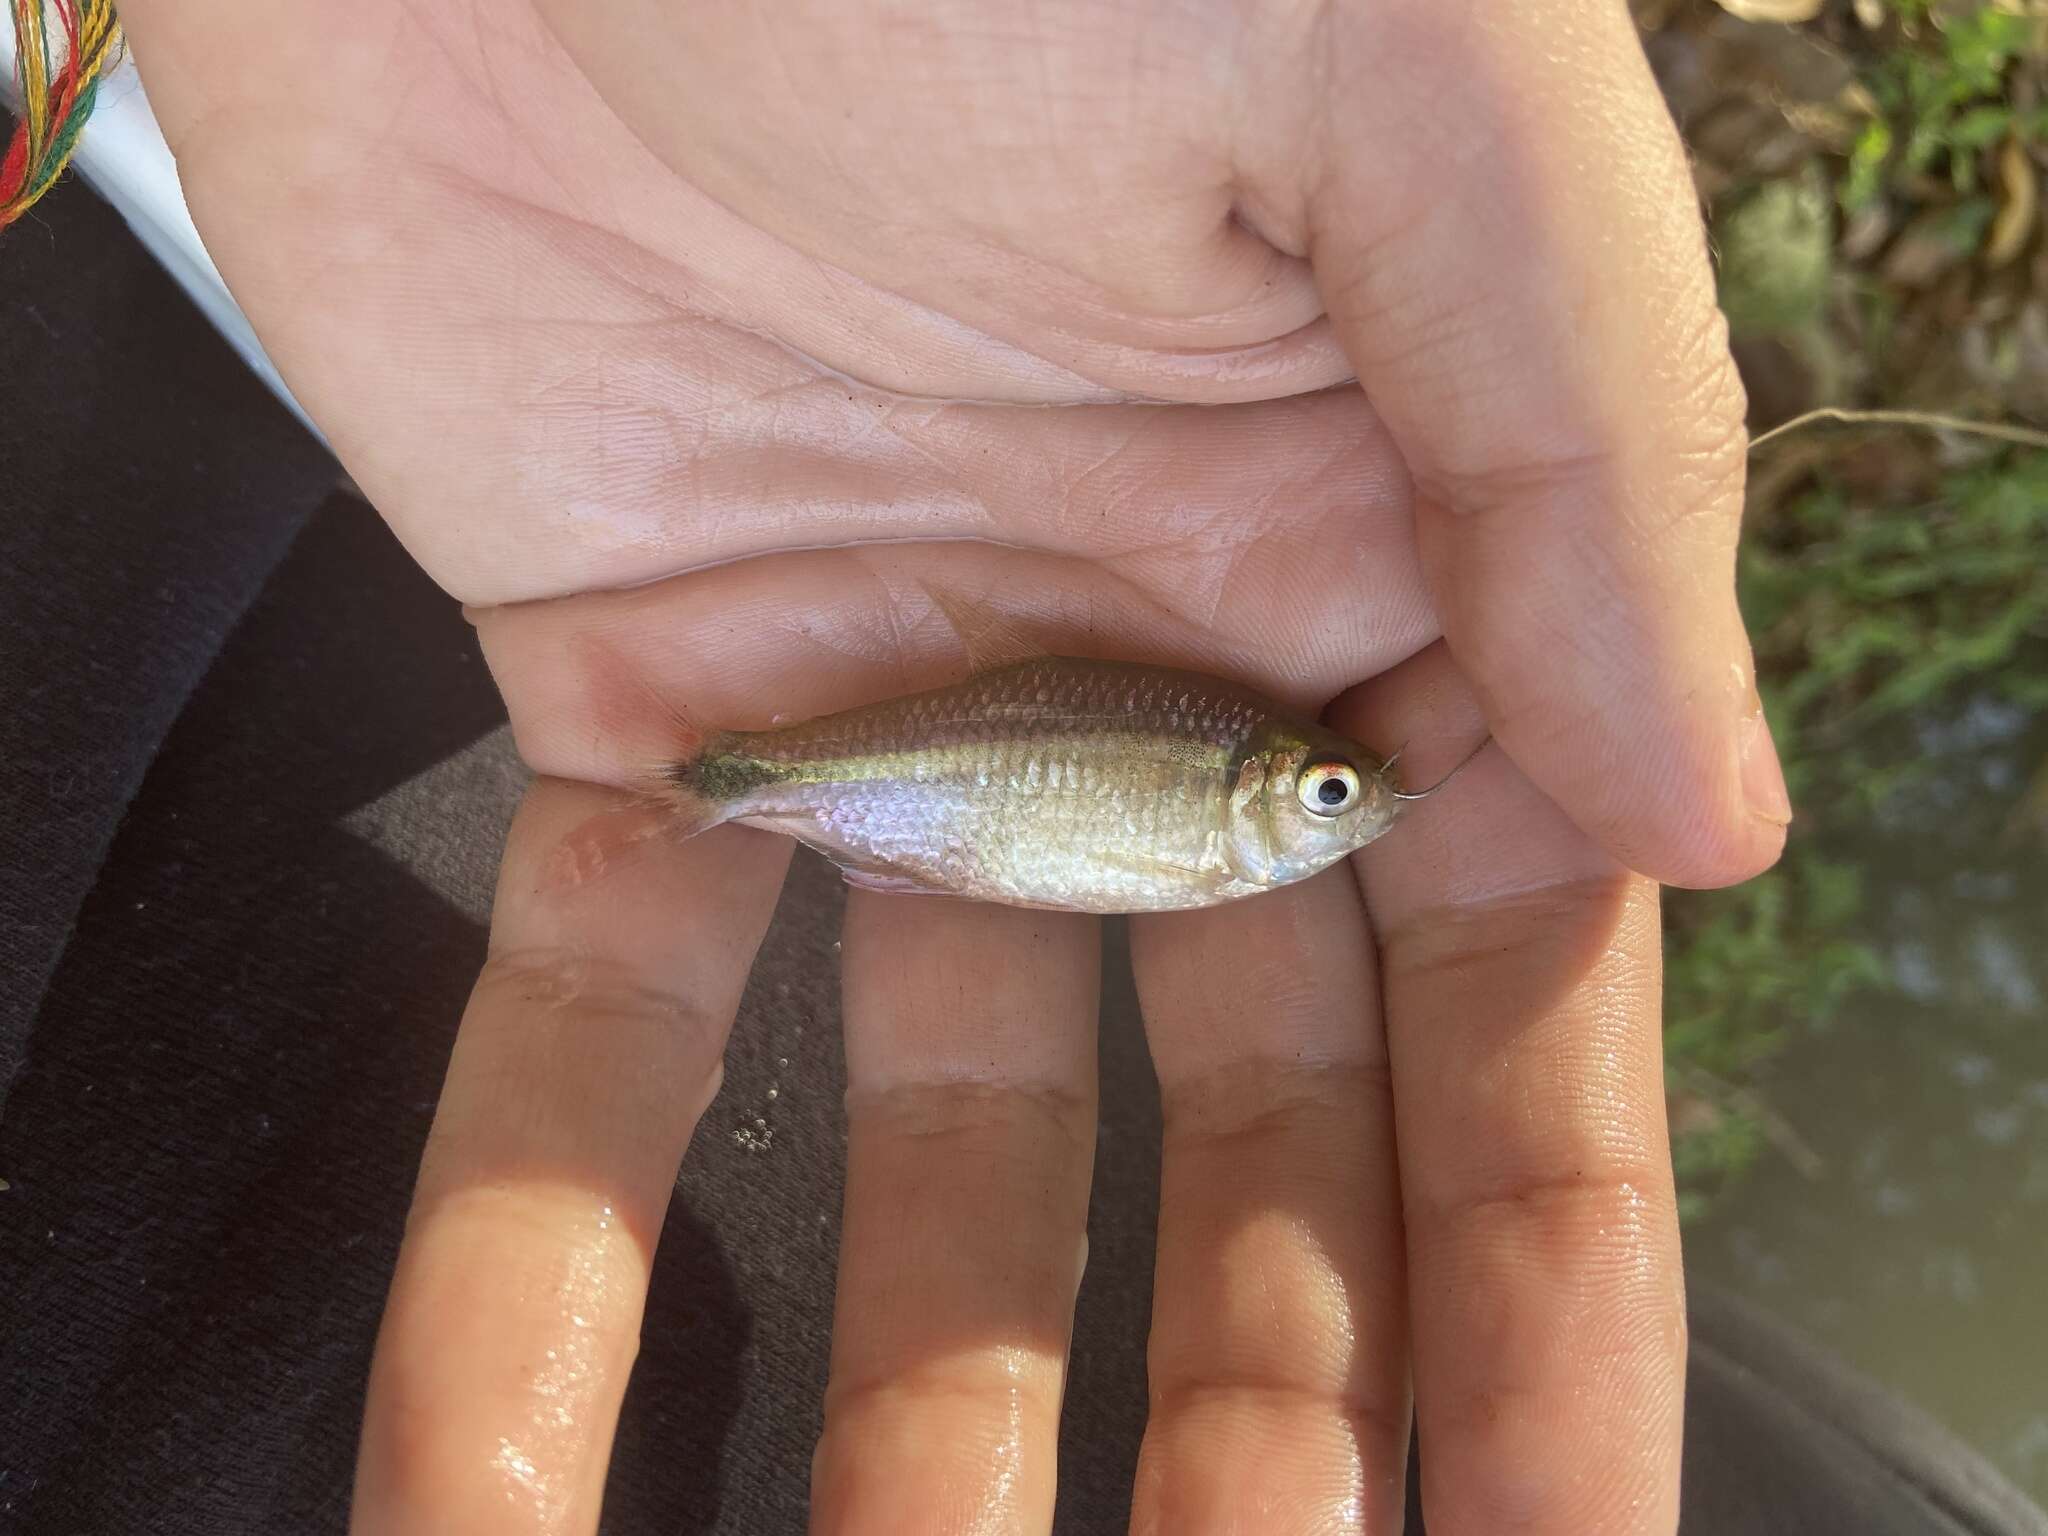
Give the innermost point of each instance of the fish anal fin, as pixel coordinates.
(889, 885)
(848, 861)
(691, 812)
(990, 639)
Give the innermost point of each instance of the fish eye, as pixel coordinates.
(1328, 789)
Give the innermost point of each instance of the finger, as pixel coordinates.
(970, 1057)
(1520, 974)
(1538, 328)
(590, 1047)
(1279, 1364)
(594, 683)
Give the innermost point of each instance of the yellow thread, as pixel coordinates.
(56, 92)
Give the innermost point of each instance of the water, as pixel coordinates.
(1918, 1248)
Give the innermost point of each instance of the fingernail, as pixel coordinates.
(1763, 779)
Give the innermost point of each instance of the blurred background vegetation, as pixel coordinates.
(1873, 174)
(1858, 1041)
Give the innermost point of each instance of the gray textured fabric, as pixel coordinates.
(141, 509)
(1822, 1449)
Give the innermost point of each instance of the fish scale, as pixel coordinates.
(1054, 782)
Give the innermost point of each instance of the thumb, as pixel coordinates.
(1523, 288)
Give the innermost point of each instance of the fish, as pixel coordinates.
(1055, 782)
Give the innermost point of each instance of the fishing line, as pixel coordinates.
(1933, 421)
(1424, 794)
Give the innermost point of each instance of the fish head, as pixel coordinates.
(1304, 798)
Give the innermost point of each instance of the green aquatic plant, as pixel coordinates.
(1877, 626)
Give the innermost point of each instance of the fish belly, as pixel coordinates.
(1069, 785)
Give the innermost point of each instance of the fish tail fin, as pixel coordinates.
(672, 776)
(670, 784)
(679, 782)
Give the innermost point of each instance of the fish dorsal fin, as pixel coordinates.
(990, 639)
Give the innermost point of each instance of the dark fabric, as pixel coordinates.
(148, 484)
(211, 1144)
(1783, 1438)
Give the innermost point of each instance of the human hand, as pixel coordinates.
(571, 367)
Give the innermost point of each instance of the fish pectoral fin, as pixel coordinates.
(990, 640)
(890, 885)
(1149, 866)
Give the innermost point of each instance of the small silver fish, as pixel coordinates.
(1056, 782)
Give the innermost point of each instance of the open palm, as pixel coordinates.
(690, 345)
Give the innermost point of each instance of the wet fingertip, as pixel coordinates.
(1743, 809)
(1761, 772)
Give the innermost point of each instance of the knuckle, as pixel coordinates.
(1706, 445)
(1567, 1201)
(1370, 1417)
(1510, 482)
(1251, 1101)
(567, 980)
(1489, 1421)
(588, 1014)
(973, 1108)
(1673, 452)
(1701, 367)
(1517, 930)
(977, 1383)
